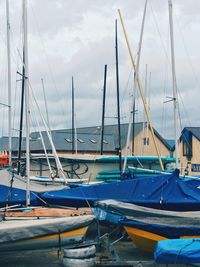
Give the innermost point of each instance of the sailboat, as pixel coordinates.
(42, 233)
(146, 232)
(35, 232)
(148, 226)
(165, 191)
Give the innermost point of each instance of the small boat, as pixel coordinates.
(164, 191)
(43, 233)
(178, 251)
(55, 180)
(113, 211)
(145, 232)
(15, 212)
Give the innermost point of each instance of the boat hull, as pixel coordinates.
(45, 242)
(146, 232)
(43, 233)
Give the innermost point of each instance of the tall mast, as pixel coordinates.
(144, 115)
(103, 109)
(9, 84)
(135, 84)
(175, 99)
(73, 129)
(27, 109)
(21, 119)
(133, 123)
(118, 104)
(141, 90)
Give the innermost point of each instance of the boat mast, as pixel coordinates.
(21, 119)
(9, 85)
(27, 109)
(135, 85)
(118, 104)
(103, 109)
(73, 129)
(141, 91)
(58, 163)
(175, 98)
(133, 126)
(144, 115)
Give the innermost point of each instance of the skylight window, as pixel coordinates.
(68, 140)
(93, 141)
(81, 140)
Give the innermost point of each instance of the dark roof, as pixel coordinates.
(63, 141)
(195, 131)
(88, 139)
(4, 143)
(170, 142)
(108, 129)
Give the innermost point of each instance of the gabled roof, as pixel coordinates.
(171, 142)
(195, 131)
(88, 139)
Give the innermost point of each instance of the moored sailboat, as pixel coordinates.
(146, 232)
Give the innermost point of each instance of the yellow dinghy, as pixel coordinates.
(147, 231)
(43, 233)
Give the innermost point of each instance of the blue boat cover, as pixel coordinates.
(165, 191)
(178, 251)
(13, 196)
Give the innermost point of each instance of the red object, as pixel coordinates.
(4, 157)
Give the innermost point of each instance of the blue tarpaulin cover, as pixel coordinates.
(178, 251)
(14, 196)
(165, 191)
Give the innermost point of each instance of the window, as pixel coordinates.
(68, 140)
(187, 148)
(146, 141)
(93, 141)
(81, 140)
(187, 144)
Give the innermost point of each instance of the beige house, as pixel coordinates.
(189, 151)
(144, 144)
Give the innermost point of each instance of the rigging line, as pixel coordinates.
(185, 110)
(123, 96)
(14, 109)
(186, 51)
(159, 33)
(47, 60)
(58, 163)
(164, 109)
(42, 139)
(14, 54)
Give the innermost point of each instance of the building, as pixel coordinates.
(189, 151)
(87, 141)
(88, 162)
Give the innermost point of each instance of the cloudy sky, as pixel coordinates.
(76, 38)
